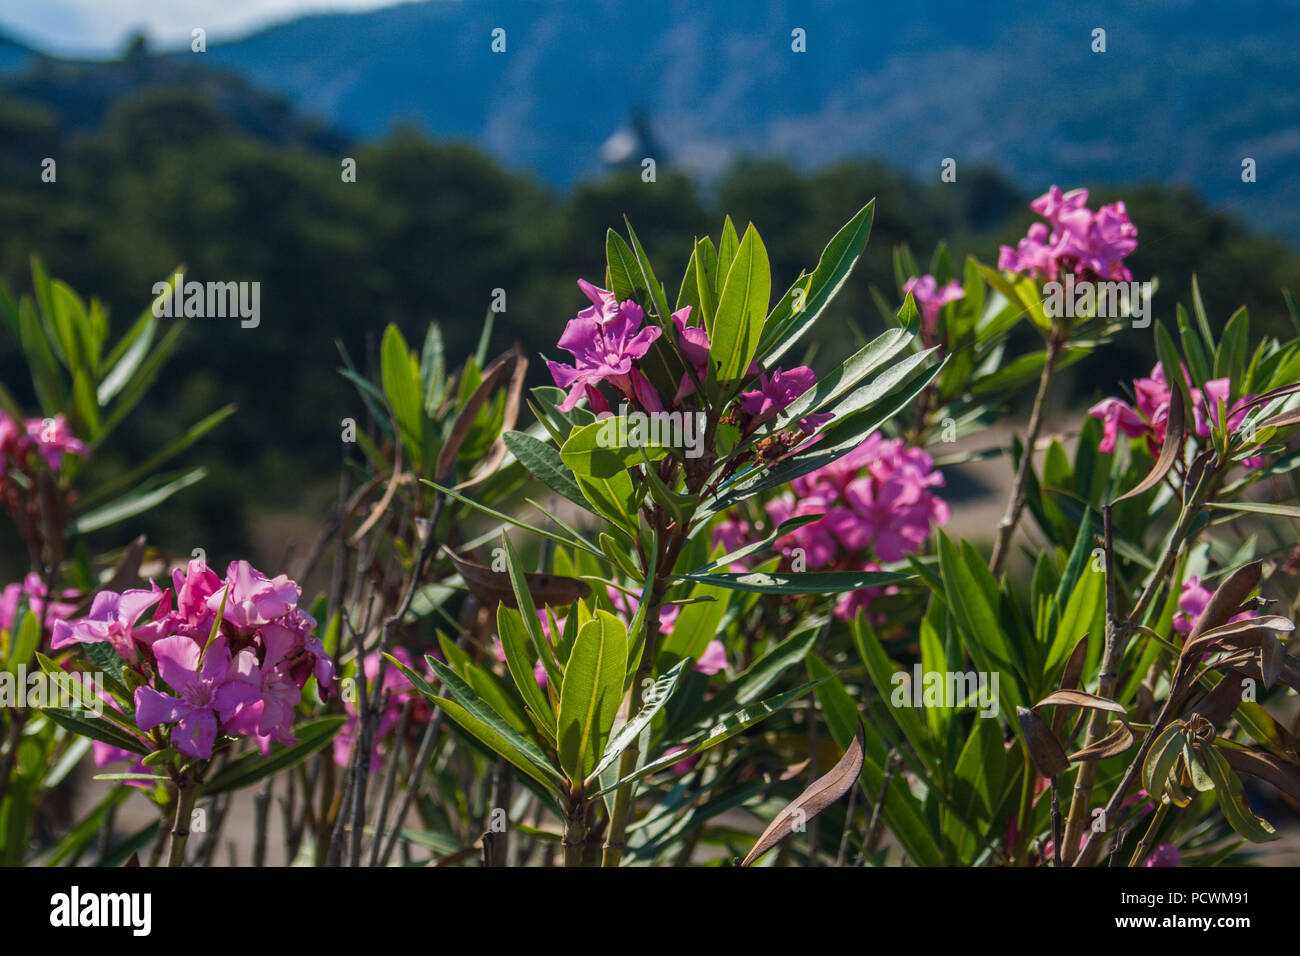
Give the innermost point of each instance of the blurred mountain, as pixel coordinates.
(14, 56)
(1184, 92)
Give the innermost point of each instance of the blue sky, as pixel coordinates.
(102, 26)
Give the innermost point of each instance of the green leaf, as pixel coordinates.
(543, 460)
(591, 693)
(655, 699)
(595, 450)
(147, 495)
(517, 647)
(142, 379)
(47, 381)
(401, 380)
(722, 730)
(87, 724)
(1232, 800)
(742, 310)
(253, 767)
(473, 713)
(788, 324)
(1257, 507)
(830, 388)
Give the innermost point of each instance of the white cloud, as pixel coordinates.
(97, 27)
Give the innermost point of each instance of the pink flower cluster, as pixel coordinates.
(931, 297)
(49, 438)
(33, 590)
(877, 504)
(242, 675)
(1151, 416)
(607, 341)
(1074, 239)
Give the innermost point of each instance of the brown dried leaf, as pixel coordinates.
(1170, 452)
(1229, 596)
(1112, 745)
(1045, 749)
(821, 793)
(1070, 676)
(493, 375)
(1080, 698)
(493, 587)
(1266, 766)
(514, 395)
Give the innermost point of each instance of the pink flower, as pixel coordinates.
(52, 439)
(1151, 417)
(693, 341)
(1166, 854)
(34, 591)
(774, 394)
(112, 618)
(211, 688)
(605, 339)
(713, 659)
(878, 505)
(925, 289)
(254, 599)
(1079, 241)
(1116, 416)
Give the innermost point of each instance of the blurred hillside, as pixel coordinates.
(162, 162)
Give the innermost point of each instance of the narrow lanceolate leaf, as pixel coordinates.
(801, 307)
(591, 693)
(1257, 508)
(250, 768)
(150, 493)
(543, 460)
(401, 380)
(492, 586)
(1266, 766)
(1079, 698)
(473, 713)
(725, 729)
(1232, 800)
(821, 793)
(517, 647)
(808, 582)
(655, 699)
(829, 389)
(500, 743)
(88, 724)
(1170, 452)
(742, 309)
